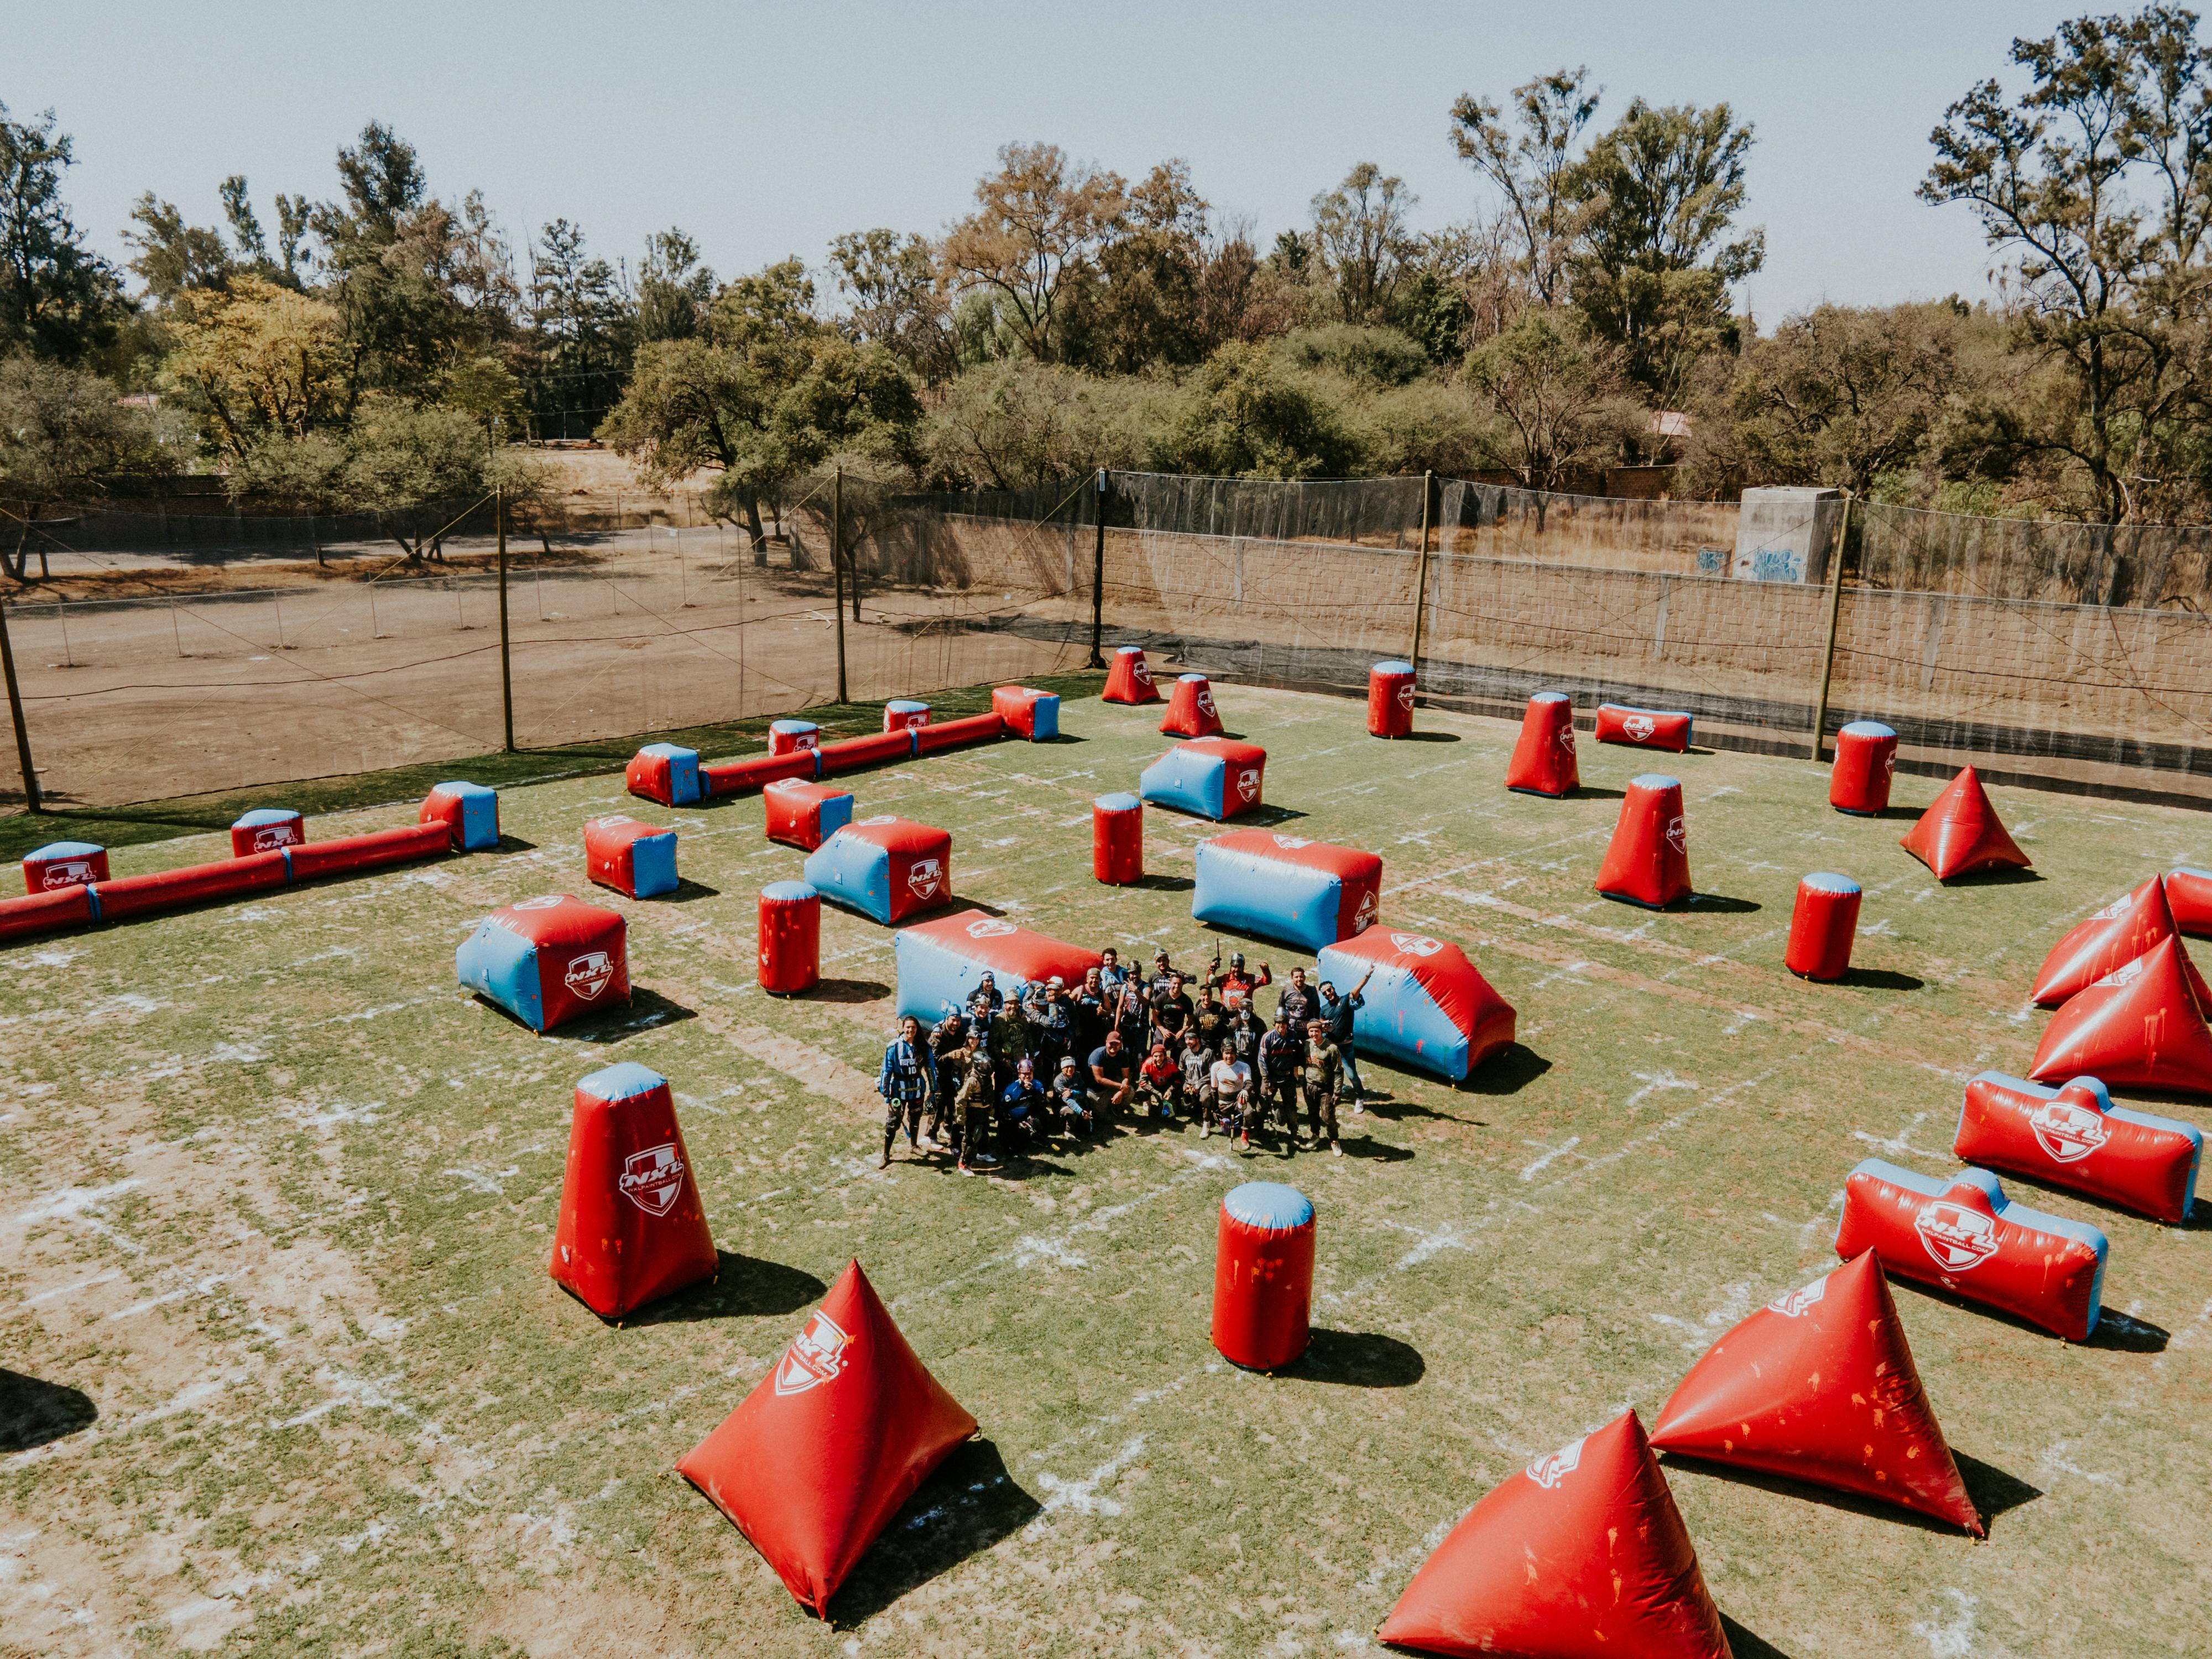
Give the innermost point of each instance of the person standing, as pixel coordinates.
(904, 1083)
(1237, 986)
(1338, 1010)
(1196, 1062)
(1112, 976)
(1324, 1064)
(1282, 1070)
(1211, 1021)
(949, 1047)
(1052, 1027)
(977, 1103)
(1088, 1007)
(1299, 1003)
(1245, 1033)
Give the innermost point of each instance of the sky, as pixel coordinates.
(765, 131)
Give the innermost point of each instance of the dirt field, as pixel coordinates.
(273, 1290)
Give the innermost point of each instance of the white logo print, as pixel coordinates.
(885, 817)
(1205, 704)
(1678, 836)
(2069, 1131)
(1291, 843)
(1142, 672)
(2117, 907)
(1406, 696)
(269, 837)
(1794, 1304)
(544, 904)
(1248, 783)
(1567, 738)
(2123, 975)
(1958, 1238)
(1553, 1468)
(1639, 727)
(923, 877)
(816, 1355)
(611, 821)
(589, 973)
(653, 1179)
(1364, 918)
(1415, 945)
(990, 927)
(806, 740)
(74, 873)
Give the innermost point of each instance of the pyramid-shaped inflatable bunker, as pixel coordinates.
(2142, 1026)
(1819, 1386)
(2112, 938)
(1581, 1552)
(825, 1450)
(1961, 833)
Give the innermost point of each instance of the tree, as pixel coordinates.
(174, 257)
(674, 289)
(1246, 416)
(1039, 222)
(2098, 181)
(1012, 424)
(896, 302)
(1658, 193)
(1141, 304)
(415, 465)
(1359, 229)
(253, 358)
(579, 326)
(63, 435)
(1559, 392)
(57, 299)
(1533, 168)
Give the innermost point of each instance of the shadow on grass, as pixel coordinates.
(687, 891)
(1428, 737)
(647, 1010)
(744, 1288)
(1381, 1151)
(1994, 879)
(953, 901)
(514, 844)
(1592, 791)
(1165, 884)
(35, 1412)
(1713, 905)
(1880, 979)
(1992, 1490)
(848, 991)
(969, 1503)
(2115, 1331)
(1508, 1071)
(1748, 1644)
(1357, 1359)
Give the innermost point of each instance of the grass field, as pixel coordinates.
(280, 1199)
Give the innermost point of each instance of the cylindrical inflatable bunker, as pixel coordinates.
(941, 962)
(1263, 1257)
(1822, 926)
(886, 868)
(1027, 713)
(789, 737)
(1191, 713)
(265, 829)
(1644, 728)
(1301, 892)
(469, 810)
(62, 864)
(1426, 1007)
(547, 960)
(2074, 1137)
(1390, 700)
(664, 772)
(1117, 840)
(1963, 1234)
(905, 714)
(632, 1229)
(734, 777)
(637, 859)
(1866, 761)
(1543, 761)
(1647, 861)
(804, 815)
(1216, 778)
(790, 938)
(1130, 677)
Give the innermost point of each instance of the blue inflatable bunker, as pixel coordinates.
(941, 962)
(470, 810)
(1285, 888)
(886, 868)
(664, 772)
(1216, 778)
(1426, 1006)
(547, 960)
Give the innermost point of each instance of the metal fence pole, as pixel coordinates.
(375, 630)
(276, 603)
(837, 572)
(1835, 612)
(1421, 574)
(505, 668)
(61, 616)
(176, 633)
(1099, 574)
(31, 797)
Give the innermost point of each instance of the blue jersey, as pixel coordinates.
(902, 1077)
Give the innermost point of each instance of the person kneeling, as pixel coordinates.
(1159, 1079)
(1228, 1096)
(1024, 1111)
(1068, 1099)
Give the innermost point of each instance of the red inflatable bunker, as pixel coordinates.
(1117, 840)
(885, 867)
(1648, 861)
(1263, 1258)
(804, 815)
(734, 777)
(1028, 712)
(632, 1229)
(1961, 833)
(1644, 728)
(266, 829)
(2142, 1026)
(636, 859)
(829, 1444)
(2075, 1137)
(954, 734)
(1581, 1553)
(1390, 700)
(790, 938)
(546, 960)
(2189, 897)
(939, 963)
(1427, 1007)
(1819, 1385)
(2115, 936)
(196, 884)
(62, 864)
(1191, 713)
(1965, 1236)
(350, 853)
(1823, 925)
(905, 714)
(1130, 677)
(1543, 761)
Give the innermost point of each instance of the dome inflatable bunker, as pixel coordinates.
(1390, 700)
(1028, 713)
(2189, 897)
(632, 1229)
(636, 859)
(469, 810)
(790, 737)
(1129, 678)
(265, 829)
(1543, 761)
(1644, 728)
(940, 963)
(1960, 834)
(1427, 1007)
(547, 960)
(827, 1446)
(804, 815)
(1648, 861)
(1263, 1259)
(1819, 1386)
(1191, 713)
(790, 938)
(1965, 1237)
(1865, 764)
(1823, 925)
(1213, 778)
(2074, 1137)
(905, 714)
(2142, 1026)
(62, 864)
(1582, 1552)
(1117, 840)
(2112, 938)
(886, 868)
(664, 772)
(1295, 892)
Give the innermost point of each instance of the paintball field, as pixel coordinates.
(288, 1376)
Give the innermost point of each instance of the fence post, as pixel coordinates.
(176, 633)
(1098, 576)
(61, 616)
(30, 798)
(506, 668)
(1421, 574)
(838, 571)
(375, 632)
(276, 603)
(1835, 611)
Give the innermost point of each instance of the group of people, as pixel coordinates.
(1006, 1075)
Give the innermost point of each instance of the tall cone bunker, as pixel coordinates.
(1191, 713)
(1543, 761)
(632, 1229)
(827, 1446)
(1648, 862)
(1819, 1385)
